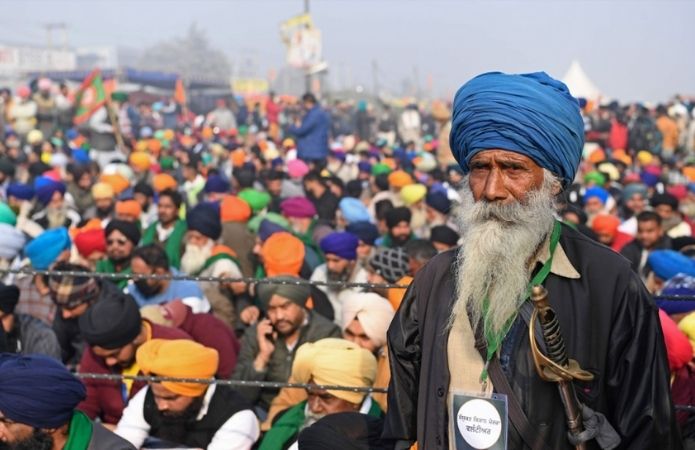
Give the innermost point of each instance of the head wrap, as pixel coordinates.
(344, 431)
(380, 169)
(20, 191)
(413, 193)
(46, 247)
(102, 190)
(595, 177)
(664, 199)
(163, 181)
(398, 215)
(7, 216)
(129, 229)
(256, 199)
(335, 362)
(296, 293)
(276, 218)
(353, 210)
(298, 207)
(72, 291)
(283, 254)
(364, 166)
(373, 312)
(38, 390)
(205, 219)
(234, 209)
(668, 263)
(445, 235)
(439, 202)
(178, 358)
(531, 114)
(90, 241)
(425, 162)
(597, 192)
(297, 168)
(634, 188)
(9, 296)
(395, 295)
(644, 157)
(649, 179)
(117, 182)
(341, 244)
(11, 241)
(129, 208)
(605, 224)
(679, 352)
(609, 169)
(399, 179)
(216, 184)
(390, 263)
(268, 228)
(366, 232)
(44, 194)
(111, 323)
(140, 160)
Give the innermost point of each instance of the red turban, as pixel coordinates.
(90, 241)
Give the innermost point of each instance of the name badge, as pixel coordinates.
(479, 422)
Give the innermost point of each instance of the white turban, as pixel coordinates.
(11, 241)
(373, 312)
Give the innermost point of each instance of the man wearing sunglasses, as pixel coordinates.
(121, 239)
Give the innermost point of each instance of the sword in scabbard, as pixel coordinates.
(556, 367)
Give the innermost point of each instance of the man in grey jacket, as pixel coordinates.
(25, 334)
(268, 347)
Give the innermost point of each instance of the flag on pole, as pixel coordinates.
(90, 96)
(179, 93)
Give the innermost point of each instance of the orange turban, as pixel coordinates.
(234, 209)
(400, 179)
(689, 173)
(129, 208)
(141, 146)
(155, 145)
(597, 156)
(140, 160)
(178, 358)
(283, 254)
(395, 295)
(238, 157)
(117, 182)
(605, 224)
(163, 181)
(169, 134)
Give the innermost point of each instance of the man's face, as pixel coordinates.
(18, 436)
(401, 232)
(119, 358)
(73, 313)
(104, 206)
(375, 278)
(147, 287)
(665, 211)
(322, 403)
(605, 237)
(166, 210)
(85, 181)
(364, 250)
(56, 201)
(636, 203)
(355, 333)
(648, 233)
(285, 315)
(593, 205)
(441, 247)
(338, 268)
(274, 187)
(503, 176)
(118, 247)
(143, 200)
(169, 403)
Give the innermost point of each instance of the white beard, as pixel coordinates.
(56, 217)
(194, 257)
(499, 242)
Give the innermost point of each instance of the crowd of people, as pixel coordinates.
(324, 209)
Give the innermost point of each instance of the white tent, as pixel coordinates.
(579, 83)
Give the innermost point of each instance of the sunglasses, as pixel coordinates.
(116, 241)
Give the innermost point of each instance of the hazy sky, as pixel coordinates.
(632, 50)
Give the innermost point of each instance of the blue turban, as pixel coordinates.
(43, 250)
(364, 166)
(80, 156)
(38, 391)
(531, 114)
(46, 189)
(205, 220)
(634, 188)
(353, 210)
(268, 228)
(20, 191)
(341, 244)
(649, 179)
(438, 201)
(598, 192)
(367, 232)
(668, 263)
(217, 184)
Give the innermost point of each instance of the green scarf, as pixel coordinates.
(107, 266)
(79, 433)
(172, 246)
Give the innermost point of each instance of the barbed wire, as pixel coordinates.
(172, 276)
(236, 383)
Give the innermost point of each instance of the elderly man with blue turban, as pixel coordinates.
(38, 397)
(463, 324)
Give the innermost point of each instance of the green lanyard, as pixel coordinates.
(494, 340)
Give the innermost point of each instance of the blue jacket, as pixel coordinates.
(312, 135)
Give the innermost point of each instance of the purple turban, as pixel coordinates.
(341, 244)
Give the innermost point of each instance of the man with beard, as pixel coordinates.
(367, 233)
(194, 415)
(37, 408)
(340, 250)
(387, 265)
(301, 214)
(169, 230)
(144, 195)
(204, 257)
(316, 364)
(666, 205)
(104, 202)
(399, 231)
(650, 237)
(268, 347)
(114, 330)
(121, 239)
(519, 138)
(54, 212)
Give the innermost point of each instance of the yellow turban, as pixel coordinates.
(399, 179)
(140, 160)
(179, 358)
(102, 190)
(335, 362)
(163, 181)
(413, 193)
(117, 182)
(644, 157)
